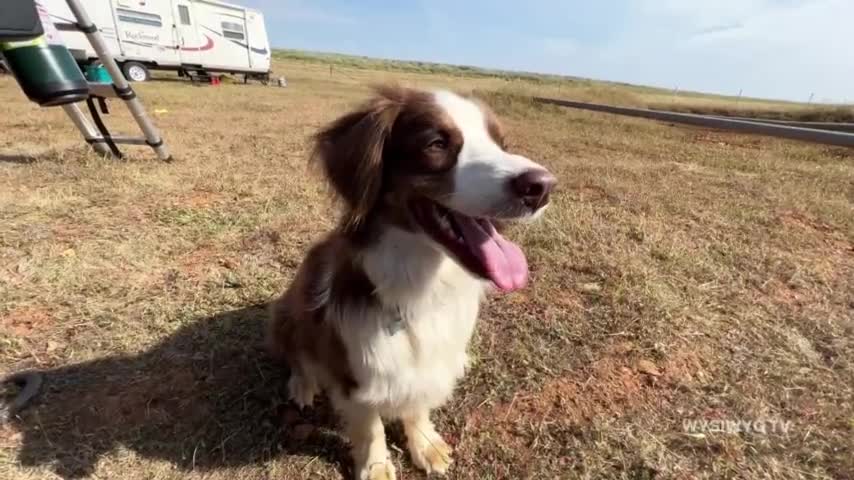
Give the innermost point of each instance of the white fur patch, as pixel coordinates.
(484, 170)
(417, 366)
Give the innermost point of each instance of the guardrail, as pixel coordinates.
(834, 126)
(770, 128)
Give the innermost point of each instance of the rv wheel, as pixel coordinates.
(136, 72)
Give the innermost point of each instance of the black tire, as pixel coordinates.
(136, 72)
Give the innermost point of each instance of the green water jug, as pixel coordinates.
(47, 74)
(44, 68)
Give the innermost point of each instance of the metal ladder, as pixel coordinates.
(97, 136)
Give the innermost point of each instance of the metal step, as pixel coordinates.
(106, 90)
(120, 140)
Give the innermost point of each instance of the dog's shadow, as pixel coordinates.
(207, 397)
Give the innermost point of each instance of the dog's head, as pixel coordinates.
(435, 163)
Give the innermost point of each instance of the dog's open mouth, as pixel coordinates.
(475, 243)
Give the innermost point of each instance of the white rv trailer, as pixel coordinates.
(190, 36)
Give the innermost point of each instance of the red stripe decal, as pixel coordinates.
(207, 46)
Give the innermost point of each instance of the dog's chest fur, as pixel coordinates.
(409, 352)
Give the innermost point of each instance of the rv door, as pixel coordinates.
(190, 43)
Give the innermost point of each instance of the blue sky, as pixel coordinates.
(769, 48)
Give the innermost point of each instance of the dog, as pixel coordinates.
(381, 310)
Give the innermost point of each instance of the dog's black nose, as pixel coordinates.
(533, 187)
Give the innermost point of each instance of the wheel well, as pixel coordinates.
(144, 63)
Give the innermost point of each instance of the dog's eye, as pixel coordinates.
(437, 144)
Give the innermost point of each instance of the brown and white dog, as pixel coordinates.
(381, 311)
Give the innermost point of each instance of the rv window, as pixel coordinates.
(184, 13)
(232, 35)
(142, 18)
(234, 27)
(232, 30)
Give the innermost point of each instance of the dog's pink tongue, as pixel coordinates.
(504, 261)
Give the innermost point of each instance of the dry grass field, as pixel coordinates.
(682, 275)
(589, 90)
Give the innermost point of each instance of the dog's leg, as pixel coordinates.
(427, 449)
(365, 430)
(302, 387)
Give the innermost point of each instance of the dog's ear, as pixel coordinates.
(350, 151)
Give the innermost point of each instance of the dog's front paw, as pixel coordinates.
(378, 471)
(302, 390)
(431, 454)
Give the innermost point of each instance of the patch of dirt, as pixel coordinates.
(260, 238)
(197, 199)
(25, 321)
(616, 385)
(70, 232)
(830, 234)
(726, 140)
(276, 236)
(590, 193)
(786, 295)
(568, 299)
(799, 219)
(196, 262)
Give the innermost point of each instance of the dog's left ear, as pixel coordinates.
(350, 151)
